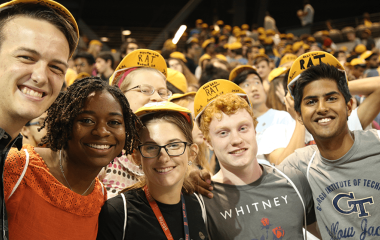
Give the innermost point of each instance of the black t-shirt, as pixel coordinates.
(143, 224)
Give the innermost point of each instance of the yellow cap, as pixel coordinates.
(307, 60)
(219, 22)
(207, 42)
(60, 9)
(283, 35)
(248, 40)
(325, 33)
(210, 91)
(180, 95)
(204, 25)
(268, 41)
(366, 55)
(215, 32)
(139, 58)
(288, 58)
(199, 21)
(270, 32)
(235, 45)
(70, 76)
(178, 55)
(168, 44)
(290, 36)
(157, 107)
(262, 37)
(228, 27)
(223, 37)
(297, 46)
(360, 48)
(277, 72)
(95, 42)
(245, 26)
(203, 57)
(306, 46)
(221, 57)
(357, 61)
(239, 69)
(261, 30)
(194, 40)
(311, 39)
(236, 32)
(177, 79)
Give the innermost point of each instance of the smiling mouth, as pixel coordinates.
(101, 147)
(31, 92)
(239, 151)
(324, 120)
(164, 170)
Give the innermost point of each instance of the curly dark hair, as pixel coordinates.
(61, 114)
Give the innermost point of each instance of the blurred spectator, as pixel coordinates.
(103, 65)
(366, 20)
(235, 53)
(269, 22)
(192, 50)
(84, 62)
(367, 39)
(306, 15)
(211, 73)
(371, 58)
(94, 47)
(128, 47)
(357, 67)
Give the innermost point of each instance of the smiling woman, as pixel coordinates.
(162, 205)
(87, 127)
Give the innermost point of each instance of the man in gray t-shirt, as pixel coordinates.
(251, 201)
(341, 168)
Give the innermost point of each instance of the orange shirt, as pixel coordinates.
(42, 207)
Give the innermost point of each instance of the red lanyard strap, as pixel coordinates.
(161, 219)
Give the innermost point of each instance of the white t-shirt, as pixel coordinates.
(271, 118)
(279, 135)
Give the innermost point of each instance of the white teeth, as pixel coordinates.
(164, 170)
(99, 146)
(323, 120)
(238, 151)
(31, 92)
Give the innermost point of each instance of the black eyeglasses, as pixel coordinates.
(34, 123)
(149, 90)
(173, 149)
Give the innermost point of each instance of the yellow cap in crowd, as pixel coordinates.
(288, 58)
(239, 69)
(177, 79)
(178, 55)
(157, 107)
(277, 72)
(307, 60)
(357, 61)
(210, 91)
(140, 58)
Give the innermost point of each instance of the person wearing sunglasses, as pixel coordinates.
(161, 205)
(141, 76)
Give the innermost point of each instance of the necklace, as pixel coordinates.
(63, 173)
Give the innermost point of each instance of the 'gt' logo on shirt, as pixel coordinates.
(353, 205)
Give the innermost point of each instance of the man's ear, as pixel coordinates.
(349, 107)
(299, 118)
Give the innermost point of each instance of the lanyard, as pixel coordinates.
(161, 219)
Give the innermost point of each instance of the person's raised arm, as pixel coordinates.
(297, 140)
(370, 107)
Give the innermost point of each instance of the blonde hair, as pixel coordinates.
(228, 104)
(180, 121)
(128, 79)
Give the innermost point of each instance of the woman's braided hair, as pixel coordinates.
(62, 113)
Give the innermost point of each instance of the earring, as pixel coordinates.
(140, 166)
(189, 163)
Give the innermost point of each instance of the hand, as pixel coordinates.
(289, 102)
(202, 182)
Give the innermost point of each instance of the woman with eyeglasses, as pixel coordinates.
(141, 76)
(161, 205)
